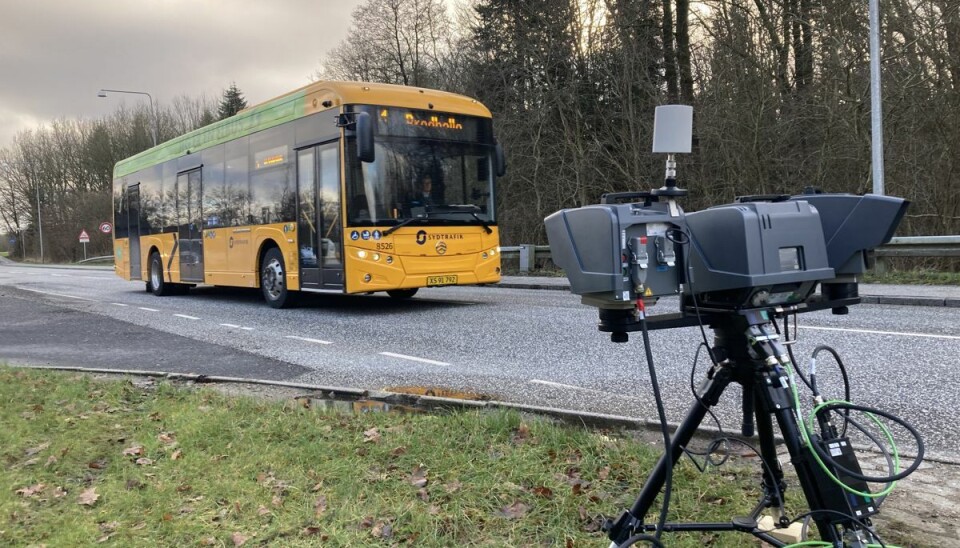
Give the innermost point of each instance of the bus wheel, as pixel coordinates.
(402, 293)
(158, 286)
(273, 280)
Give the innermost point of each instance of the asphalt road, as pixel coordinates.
(527, 346)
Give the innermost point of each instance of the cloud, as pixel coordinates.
(56, 55)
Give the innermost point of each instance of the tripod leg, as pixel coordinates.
(773, 483)
(632, 520)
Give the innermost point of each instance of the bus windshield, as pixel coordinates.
(416, 178)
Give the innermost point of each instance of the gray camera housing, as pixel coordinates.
(610, 251)
(741, 255)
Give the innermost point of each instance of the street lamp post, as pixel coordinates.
(153, 113)
(39, 223)
(876, 105)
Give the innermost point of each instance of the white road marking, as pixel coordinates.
(875, 332)
(233, 325)
(247, 328)
(572, 387)
(59, 275)
(412, 358)
(56, 294)
(148, 309)
(118, 304)
(307, 339)
(187, 317)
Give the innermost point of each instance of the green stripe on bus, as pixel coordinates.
(267, 115)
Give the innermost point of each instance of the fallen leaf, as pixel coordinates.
(166, 438)
(98, 464)
(88, 497)
(310, 531)
(33, 490)
(31, 462)
(134, 484)
(372, 435)
(277, 501)
(135, 451)
(579, 486)
(317, 487)
(34, 450)
(522, 433)
(603, 473)
(452, 487)
(177, 455)
(59, 493)
(320, 506)
(433, 509)
(424, 495)
(398, 451)
(262, 510)
(143, 461)
(419, 476)
(109, 527)
(103, 539)
(544, 492)
(239, 540)
(382, 530)
(515, 511)
(51, 460)
(208, 541)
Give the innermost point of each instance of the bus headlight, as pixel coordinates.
(376, 256)
(389, 259)
(367, 278)
(362, 254)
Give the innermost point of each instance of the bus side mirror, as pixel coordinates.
(501, 161)
(365, 150)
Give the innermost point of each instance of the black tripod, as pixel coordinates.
(749, 353)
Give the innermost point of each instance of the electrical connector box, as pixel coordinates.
(839, 499)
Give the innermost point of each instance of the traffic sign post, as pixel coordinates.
(84, 239)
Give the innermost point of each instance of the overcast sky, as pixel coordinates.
(56, 54)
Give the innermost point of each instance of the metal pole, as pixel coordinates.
(876, 105)
(40, 224)
(153, 112)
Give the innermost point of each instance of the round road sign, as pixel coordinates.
(106, 227)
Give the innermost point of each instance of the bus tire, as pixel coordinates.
(158, 286)
(273, 280)
(403, 293)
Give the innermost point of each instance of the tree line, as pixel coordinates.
(780, 89)
(56, 180)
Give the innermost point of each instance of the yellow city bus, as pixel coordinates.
(337, 186)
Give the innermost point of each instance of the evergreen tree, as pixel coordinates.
(232, 102)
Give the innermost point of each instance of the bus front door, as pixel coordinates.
(191, 226)
(318, 219)
(133, 229)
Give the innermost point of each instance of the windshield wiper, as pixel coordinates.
(402, 224)
(486, 224)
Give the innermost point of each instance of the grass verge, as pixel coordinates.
(89, 462)
(913, 277)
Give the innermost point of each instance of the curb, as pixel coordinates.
(339, 393)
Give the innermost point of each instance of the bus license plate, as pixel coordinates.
(447, 279)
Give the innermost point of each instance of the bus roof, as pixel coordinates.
(309, 99)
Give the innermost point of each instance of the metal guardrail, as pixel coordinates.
(906, 246)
